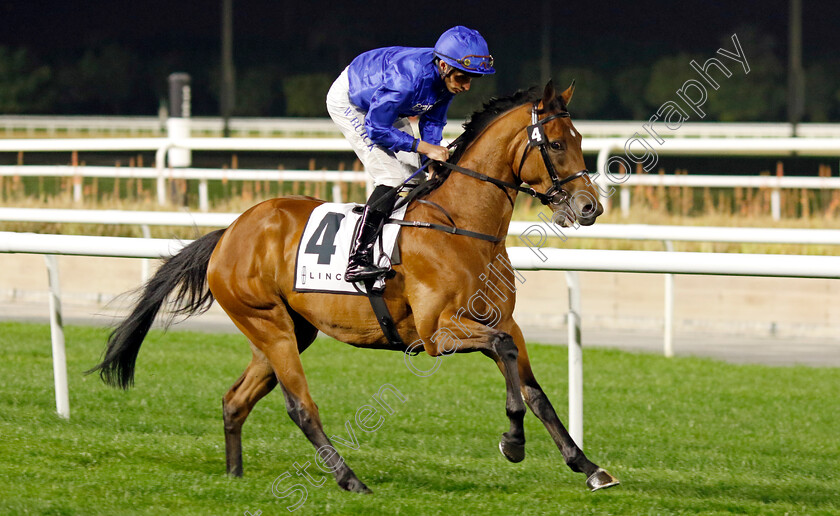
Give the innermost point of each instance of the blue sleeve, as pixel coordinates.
(433, 121)
(385, 108)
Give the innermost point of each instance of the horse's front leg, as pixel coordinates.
(471, 336)
(597, 478)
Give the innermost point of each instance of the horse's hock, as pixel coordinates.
(753, 306)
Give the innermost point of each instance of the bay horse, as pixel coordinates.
(248, 268)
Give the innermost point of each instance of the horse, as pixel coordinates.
(249, 268)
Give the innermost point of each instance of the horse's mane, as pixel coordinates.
(479, 120)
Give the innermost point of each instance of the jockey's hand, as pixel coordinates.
(435, 152)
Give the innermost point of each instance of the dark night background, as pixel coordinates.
(85, 57)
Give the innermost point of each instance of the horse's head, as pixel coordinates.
(557, 170)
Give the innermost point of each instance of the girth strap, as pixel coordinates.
(383, 316)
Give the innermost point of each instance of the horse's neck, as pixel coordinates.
(477, 205)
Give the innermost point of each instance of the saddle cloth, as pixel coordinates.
(324, 249)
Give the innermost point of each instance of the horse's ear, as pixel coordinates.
(567, 95)
(548, 93)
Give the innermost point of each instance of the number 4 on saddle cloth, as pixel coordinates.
(324, 249)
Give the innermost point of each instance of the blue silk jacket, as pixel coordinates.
(396, 82)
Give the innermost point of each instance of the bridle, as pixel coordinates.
(555, 195)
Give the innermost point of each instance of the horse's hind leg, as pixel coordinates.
(504, 352)
(304, 413)
(274, 333)
(597, 478)
(257, 381)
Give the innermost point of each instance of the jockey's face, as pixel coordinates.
(455, 80)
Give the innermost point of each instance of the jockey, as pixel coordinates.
(371, 101)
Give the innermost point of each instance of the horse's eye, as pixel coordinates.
(557, 146)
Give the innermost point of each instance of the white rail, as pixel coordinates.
(530, 229)
(534, 234)
(53, 125)
(216, 174)
(676, 233)
(151, 218)
(681, 146)
(209, 144)
(203, 175)
(526, 258)
(775, 182)
(604, 147)
(716, 147)
(77, 245)
(82, 144)
(664, 262)
(814, 183)
(736, 146)
(523, 258)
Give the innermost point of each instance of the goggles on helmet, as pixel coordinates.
(472, 62)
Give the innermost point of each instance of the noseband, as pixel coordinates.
(555, 195)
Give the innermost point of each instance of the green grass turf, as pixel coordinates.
(684, 435)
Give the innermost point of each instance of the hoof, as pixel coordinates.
(354, 485)
(601, 480)
(512, 452)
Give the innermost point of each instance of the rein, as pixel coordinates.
(536, 138)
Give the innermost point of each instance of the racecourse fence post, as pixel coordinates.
(625, 201)
(77, 178)
(776, 194)
(601, 177)
(776, 204)
(575, 359)
(203, 196)
(178, 124)
(62, 396)
(668, 343)
(146, 264)
(160, 166)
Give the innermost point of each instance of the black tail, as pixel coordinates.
(187, 269)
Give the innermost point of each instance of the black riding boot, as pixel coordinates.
(360, 265)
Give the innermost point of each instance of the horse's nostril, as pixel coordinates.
(588, 210)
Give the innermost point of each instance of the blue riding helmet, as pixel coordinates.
(466, 50)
